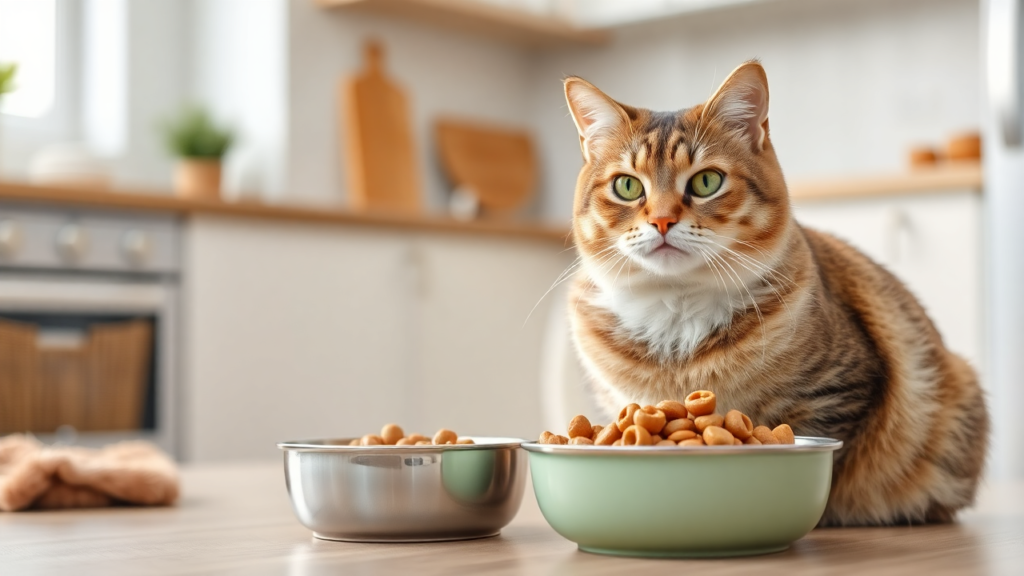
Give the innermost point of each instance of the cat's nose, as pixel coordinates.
(663, 223)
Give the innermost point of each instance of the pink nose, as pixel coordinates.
(663, 223)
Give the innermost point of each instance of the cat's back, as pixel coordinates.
(881, 302)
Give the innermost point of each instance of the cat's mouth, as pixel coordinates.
(666, 248)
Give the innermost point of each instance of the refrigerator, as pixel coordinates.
(1003, 164)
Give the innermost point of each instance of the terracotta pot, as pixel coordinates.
(199, 179)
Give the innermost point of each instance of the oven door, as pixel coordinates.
(64, 310)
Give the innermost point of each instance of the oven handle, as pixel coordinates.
(79, 296)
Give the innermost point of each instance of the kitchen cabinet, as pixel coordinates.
(932, 241)
(298, 330)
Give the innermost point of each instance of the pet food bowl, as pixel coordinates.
(697, 501)
(405, 493)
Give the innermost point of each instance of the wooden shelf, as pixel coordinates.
(163, 202)
(953, 176)
(493, 21)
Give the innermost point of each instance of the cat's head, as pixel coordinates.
(694, 196)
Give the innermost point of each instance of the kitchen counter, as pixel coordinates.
(164, 202)
(236, 519)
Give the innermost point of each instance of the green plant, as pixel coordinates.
(7, 73)
(194, 134)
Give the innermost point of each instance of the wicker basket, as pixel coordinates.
(19, 376)
(100, 385)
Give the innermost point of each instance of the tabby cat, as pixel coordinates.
(694, 275)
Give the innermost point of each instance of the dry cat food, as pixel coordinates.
(393, 435)
(692, 422)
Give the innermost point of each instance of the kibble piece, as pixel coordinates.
(636, 436)
(391, 433)
(752, 441)
(692, 442)
(545, 437)
(617, 442)
(581, 440)
(609, 434)
(655, 438)
(559, 439)
(465, 441)
(423, 442)
(764, 434)
(626, 417)
(784, 434)
(665, 443)
(650, 418)
(700, 402)
(676, 425)
(417, 437)
(405, 442)
(371, 440)
(580, 426)
(739, 424)
(702, 422)
(445, 436)
(596, 430)
(680, 435)
(673, 410)
(354, 442)
(717, 436)
(737, 441)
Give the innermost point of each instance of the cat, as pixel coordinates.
(694, 275)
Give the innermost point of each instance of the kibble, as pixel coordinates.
(393, 435)
(693, 422)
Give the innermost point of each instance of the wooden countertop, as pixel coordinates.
(166, 203)
(236, 519)
(943, 177)
(950, 177)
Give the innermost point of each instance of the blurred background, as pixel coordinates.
(226, 223)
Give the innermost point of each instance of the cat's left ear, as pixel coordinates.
(742, 102)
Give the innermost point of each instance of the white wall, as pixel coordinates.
(853, 83)
(238, 61)
(443, 73)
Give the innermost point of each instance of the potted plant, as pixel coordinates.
(199, 144)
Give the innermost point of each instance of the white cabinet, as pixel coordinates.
(931, 241)
(301, 331)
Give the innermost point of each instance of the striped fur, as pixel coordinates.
(782, 322)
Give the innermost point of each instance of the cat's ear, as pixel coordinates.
(742, 103)
(597, 116)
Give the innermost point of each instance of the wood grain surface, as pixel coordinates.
(380, 157)
(236, 519)
(497, 165)
(155, 201)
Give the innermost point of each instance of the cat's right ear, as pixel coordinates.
(597, 116)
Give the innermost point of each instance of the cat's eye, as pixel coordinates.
(705, 183)
(628, 187)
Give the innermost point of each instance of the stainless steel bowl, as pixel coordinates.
(405, 493)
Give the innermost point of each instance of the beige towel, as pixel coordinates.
(33, 475)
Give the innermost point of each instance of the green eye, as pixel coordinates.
(706, 183)
(628, 187)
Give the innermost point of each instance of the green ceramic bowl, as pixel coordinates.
(691, 502)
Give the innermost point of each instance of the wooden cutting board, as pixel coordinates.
(497, 165)
(380, 156)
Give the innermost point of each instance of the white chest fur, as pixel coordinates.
(673, 322)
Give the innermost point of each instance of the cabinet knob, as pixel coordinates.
(10, 239)
(72, 243)
(136, 247)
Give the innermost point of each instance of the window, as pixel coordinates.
(28, 37)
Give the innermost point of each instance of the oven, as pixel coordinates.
(89, 324)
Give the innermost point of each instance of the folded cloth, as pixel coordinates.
(33, 475)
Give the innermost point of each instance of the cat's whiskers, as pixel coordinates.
(757, 309)
(566, 274)
(739, 258)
